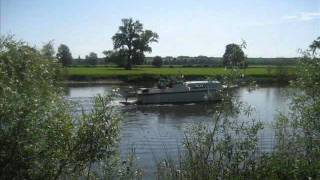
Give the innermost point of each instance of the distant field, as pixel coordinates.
(149, 72)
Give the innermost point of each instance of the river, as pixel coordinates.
(156, 132)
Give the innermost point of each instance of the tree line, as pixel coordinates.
(185, 61)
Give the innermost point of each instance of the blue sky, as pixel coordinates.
(271, 28)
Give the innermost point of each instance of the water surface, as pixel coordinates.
(156, 132)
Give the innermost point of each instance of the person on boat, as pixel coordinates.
(161, 83)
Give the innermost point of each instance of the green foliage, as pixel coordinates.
(48, 50)
(117, 57)
(226, 149)
(64, 55)
(222, 149)
(297, 151)
(297, 155)
(107, 54)
(157, 61)
(281, 73)
(133, 41)
(143, 72)
(202, 61)
(39, 136)
(269, 69)
(234, 56)
(315, 45)
(92, 58)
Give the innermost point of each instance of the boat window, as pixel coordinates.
(145, 90)
(197, 86)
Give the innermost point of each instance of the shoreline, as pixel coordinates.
(98, 75)
(147, 80)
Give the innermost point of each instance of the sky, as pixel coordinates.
(271, 28)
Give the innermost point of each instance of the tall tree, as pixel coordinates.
(315, 45)
(157, 61)
(134, 41)
(92, 58)
(117, 57)
(107, 54)
(234, 55)
(64, 55)
(47, 50)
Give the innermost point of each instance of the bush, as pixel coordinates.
(157, 61)
(222, 150)
(297, 154)
(39, 136)
(228, 148)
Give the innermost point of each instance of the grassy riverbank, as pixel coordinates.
(149, 73)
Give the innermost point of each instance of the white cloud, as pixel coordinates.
(289, 17)
(303, 16)
(300, 17)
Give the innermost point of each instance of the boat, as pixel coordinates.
(186, 92)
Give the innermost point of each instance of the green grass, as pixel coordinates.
(113, 72)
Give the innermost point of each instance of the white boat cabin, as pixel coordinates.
(186, 86)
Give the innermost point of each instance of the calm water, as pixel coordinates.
(156, 131)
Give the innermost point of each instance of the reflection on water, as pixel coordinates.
(156, 131)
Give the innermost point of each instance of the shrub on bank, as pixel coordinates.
(40, 137)
(228, 149)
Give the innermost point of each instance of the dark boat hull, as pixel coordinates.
(178, 97)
